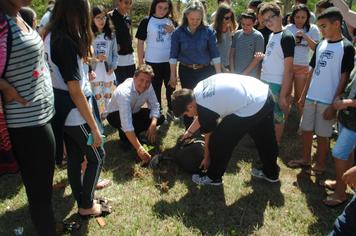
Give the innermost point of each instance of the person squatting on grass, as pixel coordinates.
(331, 64)
(156, 30)
(25, 85)
(277, 65)
(125, 111)
(105, 56)
(69, 28)
(249, 111)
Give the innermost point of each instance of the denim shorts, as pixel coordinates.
(345, 143)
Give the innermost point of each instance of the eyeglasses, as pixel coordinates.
(103, 18)
(227, 17)
(269, 19)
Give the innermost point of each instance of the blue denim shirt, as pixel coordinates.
(194, 48)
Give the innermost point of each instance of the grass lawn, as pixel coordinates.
(166, 202)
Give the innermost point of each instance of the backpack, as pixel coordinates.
(187, 154)
(7, 160)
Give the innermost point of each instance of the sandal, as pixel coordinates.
(331, 201)
(328, 183)
(315, 171)
(298, 163)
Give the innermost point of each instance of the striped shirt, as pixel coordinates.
(246, 45)
(28, 73)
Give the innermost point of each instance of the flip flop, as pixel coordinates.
(297, 164)
(103, 183)
(328, 183)
(333, 202)
(104, 211)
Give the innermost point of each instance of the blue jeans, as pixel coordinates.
(345, 224)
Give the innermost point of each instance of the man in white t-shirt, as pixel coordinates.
(226, 107)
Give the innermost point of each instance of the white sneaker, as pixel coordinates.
(205, 180)
(259, 174)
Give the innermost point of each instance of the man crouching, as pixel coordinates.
(125, 111)
(226, 107)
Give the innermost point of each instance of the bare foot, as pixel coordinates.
(94, 211)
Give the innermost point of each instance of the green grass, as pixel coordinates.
(166, 202)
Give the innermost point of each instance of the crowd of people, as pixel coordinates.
(238, 75)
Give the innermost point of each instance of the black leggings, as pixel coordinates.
(231, 130)
(124, 72)
(162, 75)
(34, 149)
(75, 138)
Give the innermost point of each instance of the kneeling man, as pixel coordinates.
(125, 110)
(226, 107)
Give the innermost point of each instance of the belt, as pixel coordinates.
(194, 66)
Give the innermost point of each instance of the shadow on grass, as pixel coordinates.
(12, 183)
(21, 216)
(204, 208)
(121, 163)
(325, 216)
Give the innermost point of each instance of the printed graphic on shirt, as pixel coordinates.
(161, 32)
(323, 60)
(208, 88)
(269, 48)
(101, 47)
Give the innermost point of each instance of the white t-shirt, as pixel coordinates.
(280, 46)
(101, 46)
(302, 50)
(74, 117)
(158, 40)
(227, 93)
(329, 61)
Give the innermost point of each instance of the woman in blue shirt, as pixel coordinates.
(194, 46)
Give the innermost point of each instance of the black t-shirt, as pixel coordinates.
(66, 60)
(266, 33)
(347, 117)
(122, 26)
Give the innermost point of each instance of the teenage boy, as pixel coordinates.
(277, 65)
(246, 43)
(122, 24)
(343, 151)
(125, 110)
(249, 110)
(331, 65)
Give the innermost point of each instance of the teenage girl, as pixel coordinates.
(225, 26)
(306, 36)
(156, 31)
(69, 28)
(105, 55)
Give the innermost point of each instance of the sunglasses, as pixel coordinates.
(227, 17)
